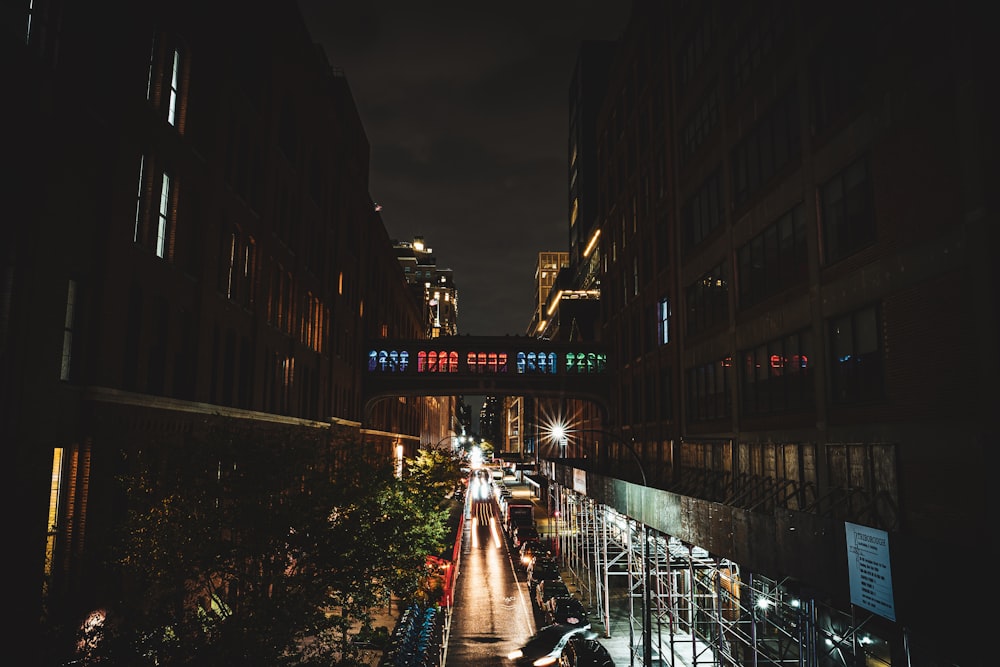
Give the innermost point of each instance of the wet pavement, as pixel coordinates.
(493, 613)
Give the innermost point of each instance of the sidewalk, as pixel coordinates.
(618, 643)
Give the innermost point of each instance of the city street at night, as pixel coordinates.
(492, 611)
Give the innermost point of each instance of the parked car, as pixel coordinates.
(540, 570)
(567, 611)
(546, 646)
(548, 589)
(524, 533)
(530, 549)
(584, 651)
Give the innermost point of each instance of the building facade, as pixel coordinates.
(189, 239)
(795, 237)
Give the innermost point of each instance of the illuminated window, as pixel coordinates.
(139, 199)
(157, 235)
(663, 321)
(53, 517)
(166, 75)
(174, 88)
(163, 217)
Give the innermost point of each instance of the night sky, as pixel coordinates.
(465, 107)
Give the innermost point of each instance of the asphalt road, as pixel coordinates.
(493, 614)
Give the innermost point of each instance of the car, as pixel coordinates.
(548, 589)
(540, 570)
(566, 610)
(531, 549)
(524, 533)
(583, 650)
(546, 646)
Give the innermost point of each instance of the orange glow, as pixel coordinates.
(592, 243)
(495, 531)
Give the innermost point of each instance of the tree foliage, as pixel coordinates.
(265, 547)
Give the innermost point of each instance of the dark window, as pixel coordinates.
(695, 49)
(708, 300)
(702, 212)
(699, 125)
(157, 354)
(838, 75)
(666, 407)
(766, 148)
(857, 368)
(757, 41)
(777, 376)
(847, 212)
(708, 391)
(773, 260)
(133, 330)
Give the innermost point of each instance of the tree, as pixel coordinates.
(262, 547)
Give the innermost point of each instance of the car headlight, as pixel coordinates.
(515, 654)
(545, 660)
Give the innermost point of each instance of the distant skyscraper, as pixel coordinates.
(546, 272)
(489, 422)
(433, 286)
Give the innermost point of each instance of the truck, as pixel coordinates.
(518, 512)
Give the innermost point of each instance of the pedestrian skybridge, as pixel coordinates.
(487, 366)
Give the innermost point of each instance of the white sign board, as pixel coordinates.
(580, 481)
(869, 569)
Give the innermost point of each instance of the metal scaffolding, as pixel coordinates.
(704, 611)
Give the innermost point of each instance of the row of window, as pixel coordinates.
(778, 375)
(777, 258)
(447, 361)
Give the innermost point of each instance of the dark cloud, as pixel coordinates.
(465, 108)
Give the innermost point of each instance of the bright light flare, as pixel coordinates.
(557, 431)
(476, 457)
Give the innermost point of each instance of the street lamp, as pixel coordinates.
(559, 432)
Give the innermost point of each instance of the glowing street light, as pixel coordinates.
(559, 432)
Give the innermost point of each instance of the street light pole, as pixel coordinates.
(559, 434)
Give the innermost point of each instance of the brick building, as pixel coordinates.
(800, 301)
(188, 237)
